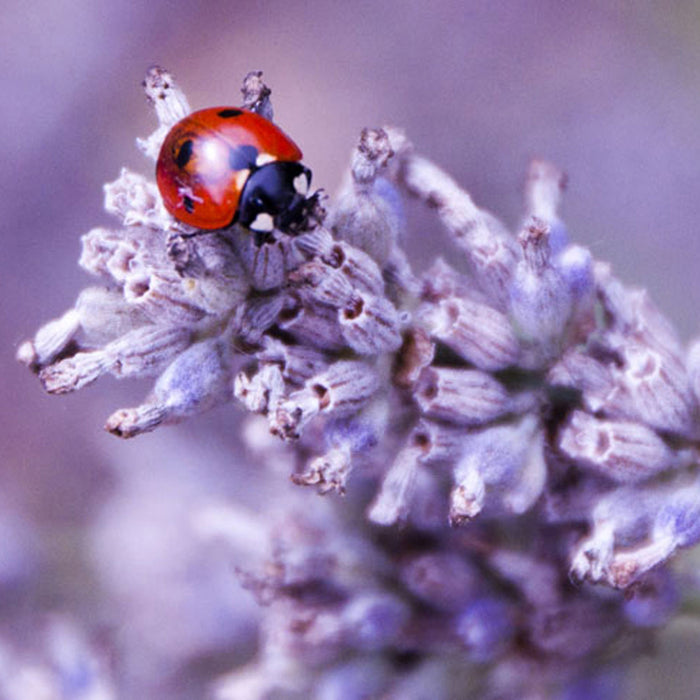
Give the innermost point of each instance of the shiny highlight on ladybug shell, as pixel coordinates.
(225, 165)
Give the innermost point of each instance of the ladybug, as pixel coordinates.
(226, 165)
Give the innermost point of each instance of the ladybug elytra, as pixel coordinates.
(226, 165)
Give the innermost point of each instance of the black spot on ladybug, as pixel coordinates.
(188, 203)
(229, 113)
(184, 154)
(242, 157)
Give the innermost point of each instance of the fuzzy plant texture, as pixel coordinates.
(515, 431)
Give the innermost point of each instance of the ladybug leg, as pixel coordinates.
(261, 237)
(299, 217)
(193, 234)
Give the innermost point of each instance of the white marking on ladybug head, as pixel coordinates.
(264, 159)
(301, 184)
(263, 222)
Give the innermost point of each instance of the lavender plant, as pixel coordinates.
(515, 430)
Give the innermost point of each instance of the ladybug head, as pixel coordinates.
(274, 197)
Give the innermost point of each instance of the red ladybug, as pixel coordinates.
(226, 165)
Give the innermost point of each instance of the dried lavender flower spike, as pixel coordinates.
(533, 400)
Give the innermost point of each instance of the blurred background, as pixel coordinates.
(608, 91)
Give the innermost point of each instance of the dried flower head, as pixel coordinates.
(525, 424)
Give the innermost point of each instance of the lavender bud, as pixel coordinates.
(502, 470)
(624, 515)
(265, 265)
(342, 389)
(376, 620)
(575, 265)
(328, 473)
(477, 332)
(357, 267)
(198, 378)
(350, 439)
(165, 95)
(256, 95)
(256, 316)
(317, 327)
(622, 451)
(136, 201)
(297, 363)
(367, 213)
(106, 315)
(319, 284)
(142, 351)
(360, 432)
(441, 281)
(444, 580)
(653, 387)
(440, 442)
(137, 260)
(108, 253)
(392, 502)
(461, 396)
(541, 301)
(261, 392)
(170, 104)
(580, 372)
(679, 519)
(544, 186)
(490, 252)
(631, 314)
(429, 503)
(318, 243)
(486, 627)
(370, 325)
(50, 340)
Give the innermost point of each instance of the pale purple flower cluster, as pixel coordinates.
(510, 427)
